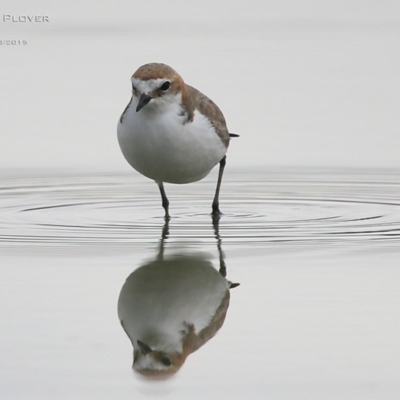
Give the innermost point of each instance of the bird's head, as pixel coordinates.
(157, 86)
(152, 362)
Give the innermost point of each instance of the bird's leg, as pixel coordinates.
(215, 205)
(164, 237)
(222, 265)
(165, 202)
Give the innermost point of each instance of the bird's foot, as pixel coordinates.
(167, 217)
(216, 213)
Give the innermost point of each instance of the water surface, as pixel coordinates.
(316, 253)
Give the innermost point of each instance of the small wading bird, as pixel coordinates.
(171, 132)
(171, 307)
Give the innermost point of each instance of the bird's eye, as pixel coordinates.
(166, 361)
(165, 86)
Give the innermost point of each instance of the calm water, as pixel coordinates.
(316, 253)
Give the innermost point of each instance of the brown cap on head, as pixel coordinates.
(160, 71)
(156, 71)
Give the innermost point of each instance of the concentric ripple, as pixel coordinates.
(303, 207)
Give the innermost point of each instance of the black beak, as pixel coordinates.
(144, 348)
(144, 99)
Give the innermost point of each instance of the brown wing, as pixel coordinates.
(208, 108)
(194, 340)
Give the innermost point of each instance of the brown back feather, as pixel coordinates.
(208, 108)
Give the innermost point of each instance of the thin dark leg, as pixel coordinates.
(215, 204)
(165, 202)
(222, 265)
(164, 237)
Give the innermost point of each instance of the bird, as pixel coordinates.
(170, 132)
(169, 308)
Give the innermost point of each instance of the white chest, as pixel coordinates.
(159, 299)
(158, 144)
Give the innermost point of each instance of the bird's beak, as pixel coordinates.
(144, 99)
(144, 348)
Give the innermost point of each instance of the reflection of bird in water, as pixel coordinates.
(170, 307)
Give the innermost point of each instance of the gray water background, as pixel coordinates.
(316, 254)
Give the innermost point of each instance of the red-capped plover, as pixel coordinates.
(171, 132)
